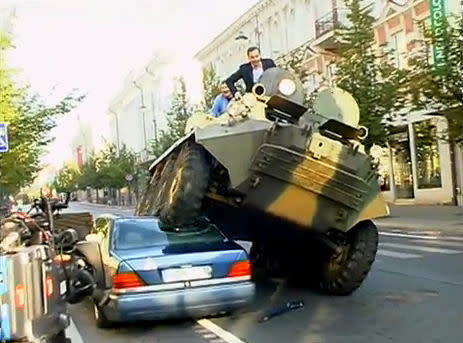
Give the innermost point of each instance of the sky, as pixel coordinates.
(92, 45)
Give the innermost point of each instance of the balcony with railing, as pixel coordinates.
(326, 25)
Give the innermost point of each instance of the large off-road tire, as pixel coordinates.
(187, 187)
(268, 261)
(343, 273)
(145, 200)
(165, 174)
(150, 193)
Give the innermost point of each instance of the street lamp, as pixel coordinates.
(155, 123)
(143, 108)
(117, 128)
(242, 36)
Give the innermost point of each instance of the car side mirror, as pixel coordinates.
(94, 237)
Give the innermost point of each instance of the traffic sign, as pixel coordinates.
(3, 137)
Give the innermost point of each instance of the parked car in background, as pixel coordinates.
(161, 272)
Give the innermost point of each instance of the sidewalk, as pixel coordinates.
(83, 202)
(430, 218)
(433, 218)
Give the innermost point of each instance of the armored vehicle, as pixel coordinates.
(293, 180)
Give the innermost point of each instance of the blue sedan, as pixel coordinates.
(161, 272)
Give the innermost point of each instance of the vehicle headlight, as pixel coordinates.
(287, 87)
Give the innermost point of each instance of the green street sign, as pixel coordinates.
(437, 27)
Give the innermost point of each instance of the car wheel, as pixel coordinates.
(61, 338)
(187, 187)
(100, 318)
(344, 272)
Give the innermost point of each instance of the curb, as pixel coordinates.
(106, 206)
(430, 229)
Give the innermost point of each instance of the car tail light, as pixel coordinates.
(49, 286)
(20, 296)
(127, 280)
(241, 268)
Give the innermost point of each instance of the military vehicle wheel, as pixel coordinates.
(268, 260)
(343, 273)
(187, 186)
(160, 190)
(149, 196)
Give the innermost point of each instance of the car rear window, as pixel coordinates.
(141, 233)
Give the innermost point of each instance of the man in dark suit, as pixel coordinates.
(250, 72)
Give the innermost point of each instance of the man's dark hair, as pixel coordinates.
(252, 48)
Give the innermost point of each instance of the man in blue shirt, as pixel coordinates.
(221, 101)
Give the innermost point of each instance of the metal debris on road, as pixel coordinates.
(276, 311)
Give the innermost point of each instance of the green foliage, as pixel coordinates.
(376, 84)
(89, 175)
(113, 166)
(67, 179)
(177, 116)
(29, 124)
(442, 92)
(211, 83)
(108, 169)
(294, 61)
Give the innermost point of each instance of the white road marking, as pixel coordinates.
(396, 254)
(217, 340)
(225, 335)
(433, 238)
(441, 243)
(209, 336)
(420, 248)
(73, 333)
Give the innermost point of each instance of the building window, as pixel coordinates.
(402, 162)
(331, 74)
(312, 83)
(397, 45)
(427, 154)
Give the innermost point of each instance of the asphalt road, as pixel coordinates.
(413, 294)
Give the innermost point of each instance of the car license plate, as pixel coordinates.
(186, 274)
(63, 287)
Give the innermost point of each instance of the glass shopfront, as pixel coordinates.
(402, 163)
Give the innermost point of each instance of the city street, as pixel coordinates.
(413, 294)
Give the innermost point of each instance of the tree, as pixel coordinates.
(67, 179)
(113, 166)
(440, 90)
(29, 124)
(374, 82)
(177, 116)
(89, 175)
(211, 84)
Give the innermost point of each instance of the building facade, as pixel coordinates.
(137, 112)
(416, 167)
(7, 17)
